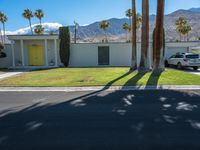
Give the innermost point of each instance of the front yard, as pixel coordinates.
(69, 77)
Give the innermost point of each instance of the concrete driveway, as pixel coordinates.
(115, 120)
(190, 70)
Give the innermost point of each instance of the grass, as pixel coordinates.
(72, 77)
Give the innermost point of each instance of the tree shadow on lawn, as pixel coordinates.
(154, 79)
(134, 81)
(141, 120)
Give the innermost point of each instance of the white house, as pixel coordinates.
(42, 51)
(34, 51)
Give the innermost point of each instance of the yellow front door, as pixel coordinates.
(36, 55)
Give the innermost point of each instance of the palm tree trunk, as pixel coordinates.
(127, 33)
(144, 62)
(130, 33)
(4, 33)
(30, 26)
(1, 36)
(40, 21)
(159, 35)
(134, 40)
(106, 39)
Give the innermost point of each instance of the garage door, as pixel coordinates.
(173, 50)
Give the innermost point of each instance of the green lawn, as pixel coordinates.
(99, 77)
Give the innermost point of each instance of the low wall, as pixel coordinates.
(7, 61)
(86, 54)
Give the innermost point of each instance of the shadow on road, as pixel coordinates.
(138, 120)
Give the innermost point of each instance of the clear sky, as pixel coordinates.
(83, 11)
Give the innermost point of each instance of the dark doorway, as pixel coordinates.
(103, 55)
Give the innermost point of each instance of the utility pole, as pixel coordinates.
(76, 25)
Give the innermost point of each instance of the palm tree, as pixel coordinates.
(158, 64)
(144, 63)
(126, 27)
(138, 20)
(1, 15)
(2, 54)
(39, 14)
(180, 23)
(188, 29)
(1, 36)
(1, 47)
(104, 25)
(134, 38)
(27, 14)
(3, 20)
(138, 24)
(185, 31)
(39, 29)
(129, 15)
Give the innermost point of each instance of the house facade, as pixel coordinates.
(34, 51)
(42, 51)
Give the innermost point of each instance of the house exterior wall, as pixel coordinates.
(51, 52)
(86, 54)
(7, 61)
(17, 53)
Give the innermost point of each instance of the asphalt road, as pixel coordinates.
(135, 120)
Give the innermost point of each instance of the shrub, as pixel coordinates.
(64, 35)
(2, 54)
(1, 46)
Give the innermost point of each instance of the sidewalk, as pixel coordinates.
(9, 74)
(99, 88)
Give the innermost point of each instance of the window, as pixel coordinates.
(192, 56)
(179, 56)
(173, 56)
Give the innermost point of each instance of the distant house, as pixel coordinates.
(42, 51)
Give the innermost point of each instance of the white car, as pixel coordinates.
(184, 60)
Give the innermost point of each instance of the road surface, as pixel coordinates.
(114, 120)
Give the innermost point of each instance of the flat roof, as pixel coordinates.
(32, 37)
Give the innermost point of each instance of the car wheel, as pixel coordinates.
(179, 66)
(195, 68)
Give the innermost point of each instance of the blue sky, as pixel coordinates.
(83, 11)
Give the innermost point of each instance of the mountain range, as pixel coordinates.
(92, 32)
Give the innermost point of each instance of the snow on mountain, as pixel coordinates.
(24, 31)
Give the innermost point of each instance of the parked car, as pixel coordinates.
(181, 60)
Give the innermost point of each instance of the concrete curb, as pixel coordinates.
(99, 88)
